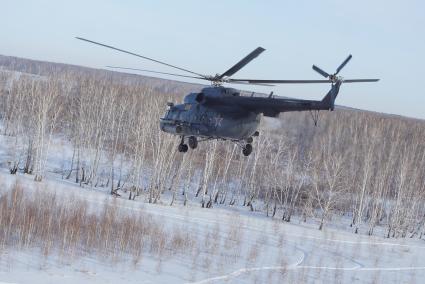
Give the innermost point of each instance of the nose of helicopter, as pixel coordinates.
(169, 126)
(162, 124)
(165, 124)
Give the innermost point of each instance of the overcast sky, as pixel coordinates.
(385, 37)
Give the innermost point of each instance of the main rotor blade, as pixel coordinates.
(359, 80)
(156, 72)
(250, 81)
(343, 64)
(320, 71)
(244, 61)
(246, 83)
(253, 81)
(141, 56)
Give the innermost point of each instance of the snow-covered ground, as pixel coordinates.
(235, 246)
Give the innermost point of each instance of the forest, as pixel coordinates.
(365, 168)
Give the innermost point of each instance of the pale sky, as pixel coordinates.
(385, 37)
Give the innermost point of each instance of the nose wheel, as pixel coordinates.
(183, 147)
(193, 142)
(247, 150)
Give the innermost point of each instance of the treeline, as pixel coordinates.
(365, 166)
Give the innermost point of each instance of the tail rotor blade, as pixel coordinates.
(343, 64)
(320, 71)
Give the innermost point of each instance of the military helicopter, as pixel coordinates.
(219, 112)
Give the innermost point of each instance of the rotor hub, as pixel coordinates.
(334, 78)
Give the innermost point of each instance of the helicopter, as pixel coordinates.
(218, 112)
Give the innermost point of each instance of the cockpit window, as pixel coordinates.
(187, 106)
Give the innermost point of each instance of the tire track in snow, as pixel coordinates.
(240, 271)
(295, 267)
(356, 242)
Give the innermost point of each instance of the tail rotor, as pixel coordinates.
(333, 77)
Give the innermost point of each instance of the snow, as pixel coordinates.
(233, 244)
(286, 252)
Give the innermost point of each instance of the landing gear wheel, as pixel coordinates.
(193, 142)
(247, 149)
(183, 148)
